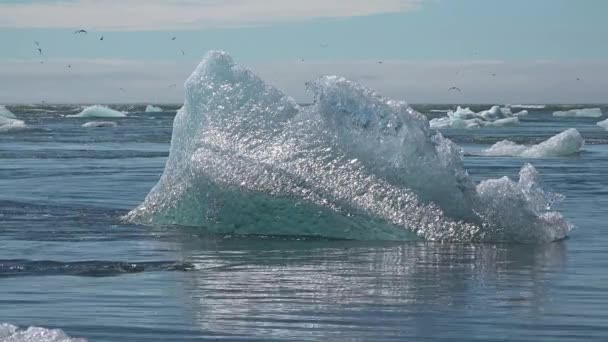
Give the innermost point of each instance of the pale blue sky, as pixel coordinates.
(537, 48)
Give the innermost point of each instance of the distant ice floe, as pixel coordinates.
(8, 121)
(580, 113)
(153, 109)
(566, 143)
(468, 119)
(603, 124)
(527, 106)
(99, 124)
(11, 333)
(98, 112)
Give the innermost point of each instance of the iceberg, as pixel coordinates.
(98, 112)
(468, 119)
(11, 333)
(5, 113)
(527, 106)
(580, 113)
(153, 109)
(564, 144)
(603, 124)
(246, 159)
(99, 124)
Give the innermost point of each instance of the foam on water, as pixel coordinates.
(97, 111)
(99, 124)
(603, 124)
(580, 113)
(246, 159)
(11, 333)
(468, 119)
(153, 109)
(564, 144)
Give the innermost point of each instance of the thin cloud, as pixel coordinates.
(147, 15)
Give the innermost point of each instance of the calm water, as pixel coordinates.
(67, 261)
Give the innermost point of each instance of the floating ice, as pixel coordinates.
(580, 113)
(528, 106)
(99, 124)
(153, 109)
(8, 121)
(603, 124)
(98, 112)
(566, 143)
(246, 159)
(468, 119)
(4, 112)
(11, 333)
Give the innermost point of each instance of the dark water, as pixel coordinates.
(67, 261)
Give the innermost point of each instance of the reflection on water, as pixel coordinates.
(319, 289)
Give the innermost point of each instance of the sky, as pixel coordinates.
(495, 51)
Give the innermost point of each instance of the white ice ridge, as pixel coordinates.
(603, 124)
(153, 109)
(8, 121)
(466, 118)
(11, 333)
(580, 113)
(99, 124)
(527, 106)
(98, 111)
(564, 144)
(246, 159)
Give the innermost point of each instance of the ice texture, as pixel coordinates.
(99, 124)
(153, 109)
(98, 111)
(528, 106)
(11, 333)
(246, 159)
(8, 121)
(468, 119)
(563, 144)
(4, 112)
(603, 124)
(580, 113)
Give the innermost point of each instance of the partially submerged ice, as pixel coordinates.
(153, 109)
(468, 119)
(8, 121)
(567, 143)
(603, 124)
(11, 333)
(580, 113)
(98, 111)
(246, 159)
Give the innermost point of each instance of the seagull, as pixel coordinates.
(69, 65)
(380, 62)
(123, 89)
(37, 43)
(80, 31)
(173, 86)
(183, 53)
(173, 38)
(41, 62)
(101, 38)
(493, 75)
(454, 88)
(578, 79)
(40, 51)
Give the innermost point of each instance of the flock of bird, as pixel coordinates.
(454, 88)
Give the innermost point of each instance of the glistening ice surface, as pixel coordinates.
(246, 159)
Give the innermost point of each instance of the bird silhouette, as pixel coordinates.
(173, 38)
(69, 65)
(101, 38)
(173, 86)
(37, 43)
(183, 53)
(380, 62)
(80, 31)
(454, 88)
(40, 51)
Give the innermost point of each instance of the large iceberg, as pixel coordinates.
(98, 111)
(564, 144)
(11, 333)
(603, 124)
(246, 159)
(468, 119)
(580, 113)
(153, 109)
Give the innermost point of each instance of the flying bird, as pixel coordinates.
(69, 65)
(80, 31)
(578, 79)
(173, 38)
(173, 86)
(40, 51)
(454, 88)
(493, 75)
(183, 53)
(122, 89)
(37, 43)
(101, 38)
(380, 62)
